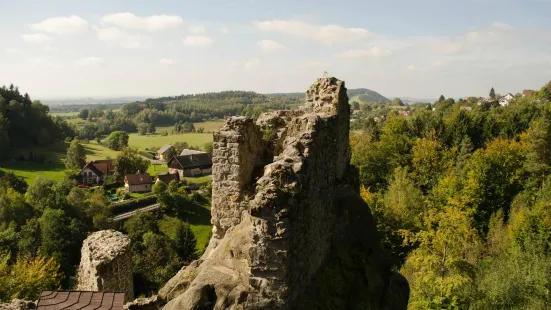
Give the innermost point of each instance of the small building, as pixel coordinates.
(95, 172)
(403, 113)
(137, 183)
(527, 92)
(504, 101)
(161, 153)
(191, 165)
(465, 108)
(167, 177)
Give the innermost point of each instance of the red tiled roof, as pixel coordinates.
(137, 179)
(81, 300)
(101, 167)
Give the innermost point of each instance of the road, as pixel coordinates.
(126, 215)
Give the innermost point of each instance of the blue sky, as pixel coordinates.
(67, 48)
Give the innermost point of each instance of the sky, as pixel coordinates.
(423, 48)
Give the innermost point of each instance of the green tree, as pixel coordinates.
(27, 277)
(99, 210)
(128, 162)
(117, 140)
(83, 113)
(397, 102)
(76, 156)
(184, 242)
(40, 194)
(492, 93)
(538, 158)
(170, 153)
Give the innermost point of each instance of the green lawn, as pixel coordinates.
(198, 217)
(52, 168)
(156, 140)
(202, 179)
(63, 113)
(96, 151)
(154, 169)
(210, 126)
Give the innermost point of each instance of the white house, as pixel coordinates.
(506, 99)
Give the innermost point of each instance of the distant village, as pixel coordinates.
(189, 163)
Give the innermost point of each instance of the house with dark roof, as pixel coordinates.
(191, 165)
(162, 152)
(137, 183)
(58, 300)
(95, 172)
(167, 177)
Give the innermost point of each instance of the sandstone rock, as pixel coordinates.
(289, 228)
(150, 303)
(106, 263)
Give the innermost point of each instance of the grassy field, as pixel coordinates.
(52, 168)
(210, 126)
(156, 140)
(96, 151)
(202, 179)
(63, 113)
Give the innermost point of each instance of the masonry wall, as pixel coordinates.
(106, 263)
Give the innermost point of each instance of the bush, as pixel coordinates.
(68, 139)
(146, 154)
(133, 205)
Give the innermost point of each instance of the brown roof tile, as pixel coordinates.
(81, 300)
(137, 179)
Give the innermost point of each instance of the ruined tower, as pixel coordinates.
(286, 211)
(106, 263)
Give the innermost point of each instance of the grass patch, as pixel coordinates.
(52, 168)
(96, 151)
(201, 179)
(198, 218)
(210, 126)
(155, 169)
(62, 114)
(156, 140)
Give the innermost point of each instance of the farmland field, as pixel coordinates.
(156, 140)
(52, 168)
(62, 114)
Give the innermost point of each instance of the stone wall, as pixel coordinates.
(106, 263)
(278, 214)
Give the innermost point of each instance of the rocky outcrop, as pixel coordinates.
(106, 263)
(289, 228)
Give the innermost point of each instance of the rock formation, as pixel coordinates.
(289, 228)
(106, 263)
(18, 304)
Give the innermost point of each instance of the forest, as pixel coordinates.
(462, 199)
(26, 123)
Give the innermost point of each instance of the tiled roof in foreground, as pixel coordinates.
(80, 300)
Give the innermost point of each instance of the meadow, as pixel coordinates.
(157, 140)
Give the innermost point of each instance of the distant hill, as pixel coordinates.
(409, 100)
(366, 95)
(357, 94)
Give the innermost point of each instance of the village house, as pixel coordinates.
(95, 172)
(403, 113)
(527, 92)
(191, 165)
(162, 152)
(504, 101)
(167, 177)
(137, 183)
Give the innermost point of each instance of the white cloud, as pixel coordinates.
(372, 52)
(36, 38)
(113, 35)
(328, 34)
(502, 26)
(166, 62)
(89, 62)
(11, 50)
(224, 30)
(198, 41)
(197, 29)
(251, 64)
(150, 23)
(63, 25)
(448, 47)
(37, 61)
(270, 46)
